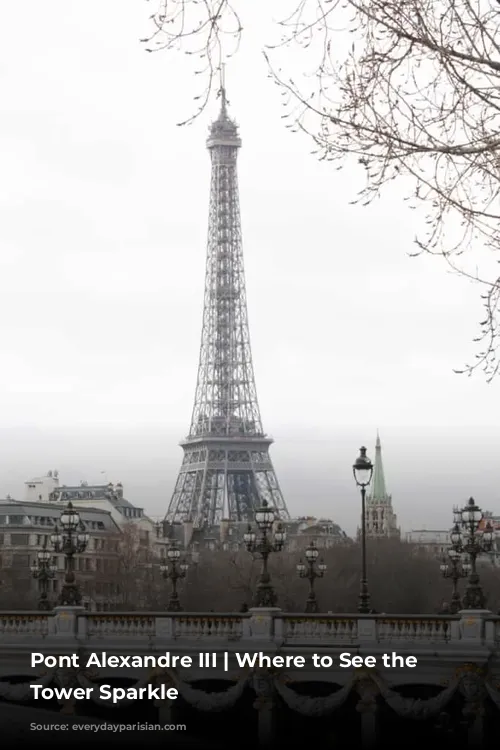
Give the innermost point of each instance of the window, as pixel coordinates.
(16, 520)
(20, 561)
(19, 540)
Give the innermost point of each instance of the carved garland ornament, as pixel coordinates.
(470, 680)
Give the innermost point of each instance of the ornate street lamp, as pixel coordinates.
(43, 571)
(456, 567)
(311, 570)
(71, 540)
(264, 545)
(175, 571)
(363, 472)
(466, 537)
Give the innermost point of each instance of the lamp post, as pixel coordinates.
(264, 544)
(175, 571)
(456, 568)
(363, 472)
(466, 537)
(44, 572)
(71, 540)
(311, 571)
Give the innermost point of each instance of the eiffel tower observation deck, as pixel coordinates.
(227, 471)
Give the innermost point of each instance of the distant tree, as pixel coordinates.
(401, 581)
(126, 572)
(17, 589)
(408, 88)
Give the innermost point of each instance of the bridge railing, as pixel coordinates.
(271, 625)
(384, 628)
(32, 623)
(179, 625)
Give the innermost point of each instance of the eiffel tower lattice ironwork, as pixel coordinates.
(227, 471)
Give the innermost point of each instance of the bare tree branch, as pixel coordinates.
(406, 89)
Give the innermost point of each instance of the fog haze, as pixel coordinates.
(103, 213)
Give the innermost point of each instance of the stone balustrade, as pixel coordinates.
(264, 625)
(24, 623)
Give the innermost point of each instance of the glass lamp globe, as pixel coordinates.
(280, 535)
(264, 516)
(249, 536)
(312, 552)
(300, 567)
(56, 538)
(453, 554)
(455, 536)
(362, 469)
(322, 567)
(173, 553)
(70, 519)
(82, 538)
(471, 514)
(43, 555)
(488, 534)
(184, 566)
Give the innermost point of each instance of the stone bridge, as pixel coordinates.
(455, 685)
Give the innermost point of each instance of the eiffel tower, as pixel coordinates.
(227, 471)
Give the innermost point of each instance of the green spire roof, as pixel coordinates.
(378, 489)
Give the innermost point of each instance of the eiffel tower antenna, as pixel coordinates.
(223, 80)
(227, 471)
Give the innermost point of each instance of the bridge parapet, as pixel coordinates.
(271, 625)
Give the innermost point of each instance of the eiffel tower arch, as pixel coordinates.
(227, 471)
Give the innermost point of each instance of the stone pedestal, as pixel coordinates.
(65, 623)
(472, 625)
(260, 625)
(367, 630)
(164, 628)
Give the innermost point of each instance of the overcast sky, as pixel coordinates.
(103, 212)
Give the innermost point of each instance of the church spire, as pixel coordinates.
(379, 491)
(381, 521)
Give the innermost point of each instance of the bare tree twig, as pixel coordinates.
(408, 89)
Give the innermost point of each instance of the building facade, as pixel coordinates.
(432, 542)
(120, 564)
(26, 528)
